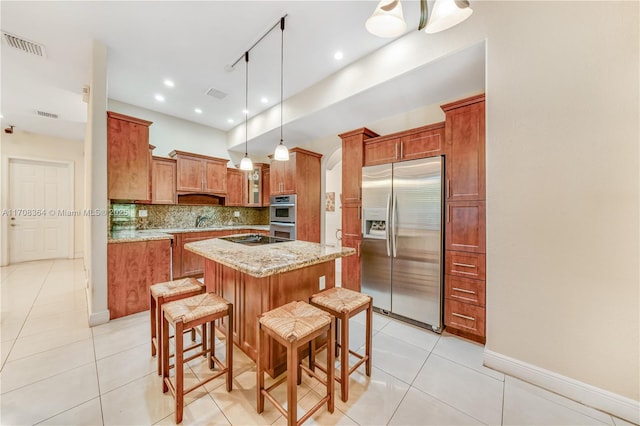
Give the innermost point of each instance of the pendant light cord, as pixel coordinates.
(246, 102)
(281, 71)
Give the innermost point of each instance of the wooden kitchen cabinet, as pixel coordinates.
(300, 175)
(266, 185)
(200, 174)
(163, 181)
(351, 265)
(257, 185)
(128, 159)
(132, 267)
(236, 187)
(465, 138)
(421, 142)
(186, 263)
(465, 225)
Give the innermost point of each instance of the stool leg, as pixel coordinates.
(368, 331)
(204, 341)
(331, 342)
(160, 330)
(229, 343)
(344, 357)
(154, 331)
(179, 369)
(165, 354)
(260, 373)
(212, 345)
(292, 385)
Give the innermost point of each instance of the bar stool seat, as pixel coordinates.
(161, 293)
(343, 304)
(185, 314)
(294, 325)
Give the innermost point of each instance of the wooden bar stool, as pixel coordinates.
(185, 314)
(161, 293)
(343, 304)
(294, 325)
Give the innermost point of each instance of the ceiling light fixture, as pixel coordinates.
(246, 163)
(264, 100)
(197, 110)
(159, 98)
(168, 83)
(338, 55)
(281, 153)
(388, 21)
(230, 120)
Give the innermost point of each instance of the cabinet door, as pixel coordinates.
(277, 176)
(266, 186)
(189, 174)
(466, 226)
(351, 170)
(127, 159)
(465, 317)
(422, 145)
(351, 276)
(215, 177)
(466, 160)
(289, 174)
(163, 181)
(351, 221)
(236, 179)
(191, 263)
(253, 187)
(381, 152)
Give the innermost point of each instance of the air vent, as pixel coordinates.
(24, 45)
(218, 94)
(47, 114)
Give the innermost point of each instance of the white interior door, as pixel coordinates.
(39, 193)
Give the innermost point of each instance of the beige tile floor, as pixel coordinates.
(58, 371)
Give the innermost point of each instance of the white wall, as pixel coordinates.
(41, 147)
(168, 133)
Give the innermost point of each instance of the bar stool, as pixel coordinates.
(161, 293)
(343, 304)
(185, 314)
(294, 325)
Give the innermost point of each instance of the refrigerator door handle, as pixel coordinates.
(394, 229)
(388, 227)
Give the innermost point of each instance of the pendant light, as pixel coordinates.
(281, 153)
(246, 163)
(446, 14)
(387, 20)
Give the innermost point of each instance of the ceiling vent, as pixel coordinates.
(47, 114)
(218, 94)
(24, 45)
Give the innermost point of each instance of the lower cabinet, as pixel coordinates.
(350, 265)
(132, 267)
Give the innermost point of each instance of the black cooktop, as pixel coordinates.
(254, 239)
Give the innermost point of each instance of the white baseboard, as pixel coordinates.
(97, 318)
(600, 399)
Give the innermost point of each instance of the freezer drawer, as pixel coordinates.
(376, 272)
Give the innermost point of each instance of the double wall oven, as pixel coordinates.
(282, 216)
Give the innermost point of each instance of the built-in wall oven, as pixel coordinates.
(282, 216)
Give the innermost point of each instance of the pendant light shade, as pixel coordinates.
(246, 163)
(446, 14)
(281, 153)
(387, 20)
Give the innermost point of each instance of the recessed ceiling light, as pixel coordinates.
(338, 55)
(245, 111)
(169, 83)
(264, 100)
(159, 98)
(230, 121)
(1, 116)
(198, 111)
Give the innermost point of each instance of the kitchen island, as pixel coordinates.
(259, 277)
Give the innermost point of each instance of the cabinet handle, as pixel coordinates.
(359, 215)
(463, 290)
(358, 254)
(396, 146)
(448, 213)
(401, 150)
(463, 316)
(464, 265)
(448, 188)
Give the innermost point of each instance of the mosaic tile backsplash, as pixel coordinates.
(174, 216)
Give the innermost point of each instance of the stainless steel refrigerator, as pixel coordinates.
(402, 240)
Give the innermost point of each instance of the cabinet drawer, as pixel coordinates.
(466, 265)
(381, 152)
(464, 290)
(422, 145)
(464, 317)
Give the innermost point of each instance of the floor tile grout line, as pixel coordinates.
(64, 411)
(47, 378)
(470, 368)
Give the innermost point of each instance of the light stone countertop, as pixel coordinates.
(264, 260)
(166, 233)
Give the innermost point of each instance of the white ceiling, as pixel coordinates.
(192, 43)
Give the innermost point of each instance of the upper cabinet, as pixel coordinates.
(256, 185)
(465, 146)
(163, 181)
(128, 159)
(200, 174)
(236, 183)
(421, 142)
(283, 176)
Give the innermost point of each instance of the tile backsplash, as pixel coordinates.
(175, 216)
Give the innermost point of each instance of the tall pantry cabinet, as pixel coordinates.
(465, 248)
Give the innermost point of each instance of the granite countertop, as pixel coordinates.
(263, 260)
(166, 233)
